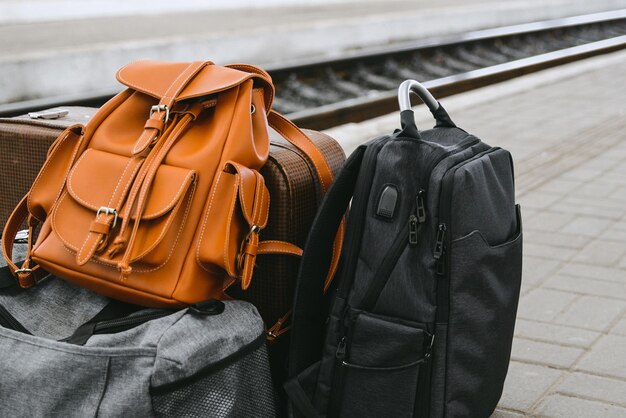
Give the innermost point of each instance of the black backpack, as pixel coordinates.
(420, 321)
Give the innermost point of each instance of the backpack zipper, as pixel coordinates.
(409, 234)
(441, 251)
(123, 324)
(8, 321)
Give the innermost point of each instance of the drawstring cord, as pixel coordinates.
(139, 198)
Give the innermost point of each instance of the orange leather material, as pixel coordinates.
(158, 200)
(30, 274)
(49, 183)
(293, 134)
(100, 227)
(279, 247)
(154, 78)
(239, 193)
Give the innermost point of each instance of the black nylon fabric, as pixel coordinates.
(423, 317)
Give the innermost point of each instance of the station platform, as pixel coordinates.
(566, 130)
(62, 47)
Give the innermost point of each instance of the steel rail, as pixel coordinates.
(324, 93)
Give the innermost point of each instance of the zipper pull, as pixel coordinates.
(341, 349)
(441, 233)
(421, 207)
(413, 230)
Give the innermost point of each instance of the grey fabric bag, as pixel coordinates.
(187, 363)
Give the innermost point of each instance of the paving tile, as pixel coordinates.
(560, 186)
(586, 225)
(561, 406)
(596, 189)
(548, 221)
(622, 263)
(535, 270)
(607, 358)
(593, 272)
(584, 385)
(614, 234)
(602, 252)
(555, 334)
(557, 239)
(538, 200)
(587, 209)
(505, 414)
(620, 327)
(587, 286)
(549, 251)
(544, 304)
(575, 200)
(592, 312)
(547, 354)
(525, 384)
(582, 174)
(619, 194)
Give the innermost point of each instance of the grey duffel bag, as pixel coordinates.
(65, 351)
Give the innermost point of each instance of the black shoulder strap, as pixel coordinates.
(113, 310)
(307, 331)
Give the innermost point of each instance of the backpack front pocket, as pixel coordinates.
(379, 373)
(101, 181)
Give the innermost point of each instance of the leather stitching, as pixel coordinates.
(145, 186)
(142, 144)
(119, 181)
(206, 217)
(227, 238)
(194, 68)
(171, 203)
(41, 174)
(132, 85)
(180, 230)
(165, 229)
(320, 176)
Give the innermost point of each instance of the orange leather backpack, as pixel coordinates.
(158, 200)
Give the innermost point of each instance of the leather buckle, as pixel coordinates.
(161, 108)
(254, 229)
(108, 211)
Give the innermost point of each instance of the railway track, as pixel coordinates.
(359, 86)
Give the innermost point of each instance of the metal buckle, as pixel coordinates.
(21, 237)
(253, 229)
(23, 270)
(161, 108)
(108, 211)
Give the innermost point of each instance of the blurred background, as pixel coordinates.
(63, 47)
(545, 79)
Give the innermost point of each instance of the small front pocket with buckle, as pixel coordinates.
(237, 211)
(94, 204)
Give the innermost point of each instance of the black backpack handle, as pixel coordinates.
(406, 114)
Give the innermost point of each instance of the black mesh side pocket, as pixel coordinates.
(237, 386)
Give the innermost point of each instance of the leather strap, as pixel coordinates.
(289, 131)
(293, 134)
(27, 275)
(156, 123)
(279, 247)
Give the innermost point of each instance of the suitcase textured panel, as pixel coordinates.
(24, 143)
